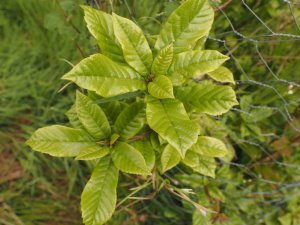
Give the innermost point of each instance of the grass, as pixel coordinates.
(35, 188)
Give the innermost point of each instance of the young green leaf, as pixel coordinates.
(209, 146)
(194, 63)
(207, 97)
(162, 61)
(169, 119)
(73, 118)
(92, 117)
(146, 149)
(161, 87)
(129, 160)
(199, 163)
(131, 120)
(92, 152)
(137, 52)
(104, 76)
(169, 158)
(100, 26)
(189, 22)
(98, 199)
(60, 141)
(222, 74)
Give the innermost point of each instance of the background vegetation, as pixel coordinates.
(40, 39)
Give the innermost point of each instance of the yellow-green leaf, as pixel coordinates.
(169, 119)
(100, 25)
(162, 61)
(92, 152)
(199, 163)
(104, 76)
(209, 146)
(99, 197)
(189, 22)
(129, 160)
(169, 158)
(222, 74)
(195, 63)
(161, 87)
(131, 120)
(92, 117)
(137, 52)
(60, 141)
(207, 97)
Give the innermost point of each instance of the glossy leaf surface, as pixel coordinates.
(137, 52)
(169, 158)
(169, 119)
(161, 87)
(98, 199)
(189, 22)
(207, 98)
(131, 120)
(60, 141)
(104, 76)
(92, 117)
(129, 160)
(100, 25)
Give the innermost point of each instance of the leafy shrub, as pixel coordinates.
(143, 113)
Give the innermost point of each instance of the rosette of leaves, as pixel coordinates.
(166, 88)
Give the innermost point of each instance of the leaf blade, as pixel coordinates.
(222, 74)
(92, 117)
(129, 160)
(161, 87)
(60, 141)
(207, 98)
(209, 146)
(137, 52)
(131, 120)
(98, 199)
(162, 61)
(92, 152)
(189, 22)
(99, 73)
(193, 63)
(169, 119)
(169, 158)
(100, 25)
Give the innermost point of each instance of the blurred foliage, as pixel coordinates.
(259, 186)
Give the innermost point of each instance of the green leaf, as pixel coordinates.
(162, 61)
(199, 163)
(60, 141)
(99, 197)
(207, 97)
(131, 120)
(209, 146)
(222, 74)
(92, 152)
(169, 158)
(195, 63)
(129, 160)
(168, 118)
(137, 52)
(161, 87)
(92, 117)
(113, 139)
(100, 25)
(189, 22)
(73, 118)
(200, 218)
(104, 76)
(146, 149)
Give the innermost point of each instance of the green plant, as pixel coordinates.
(141, 109)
